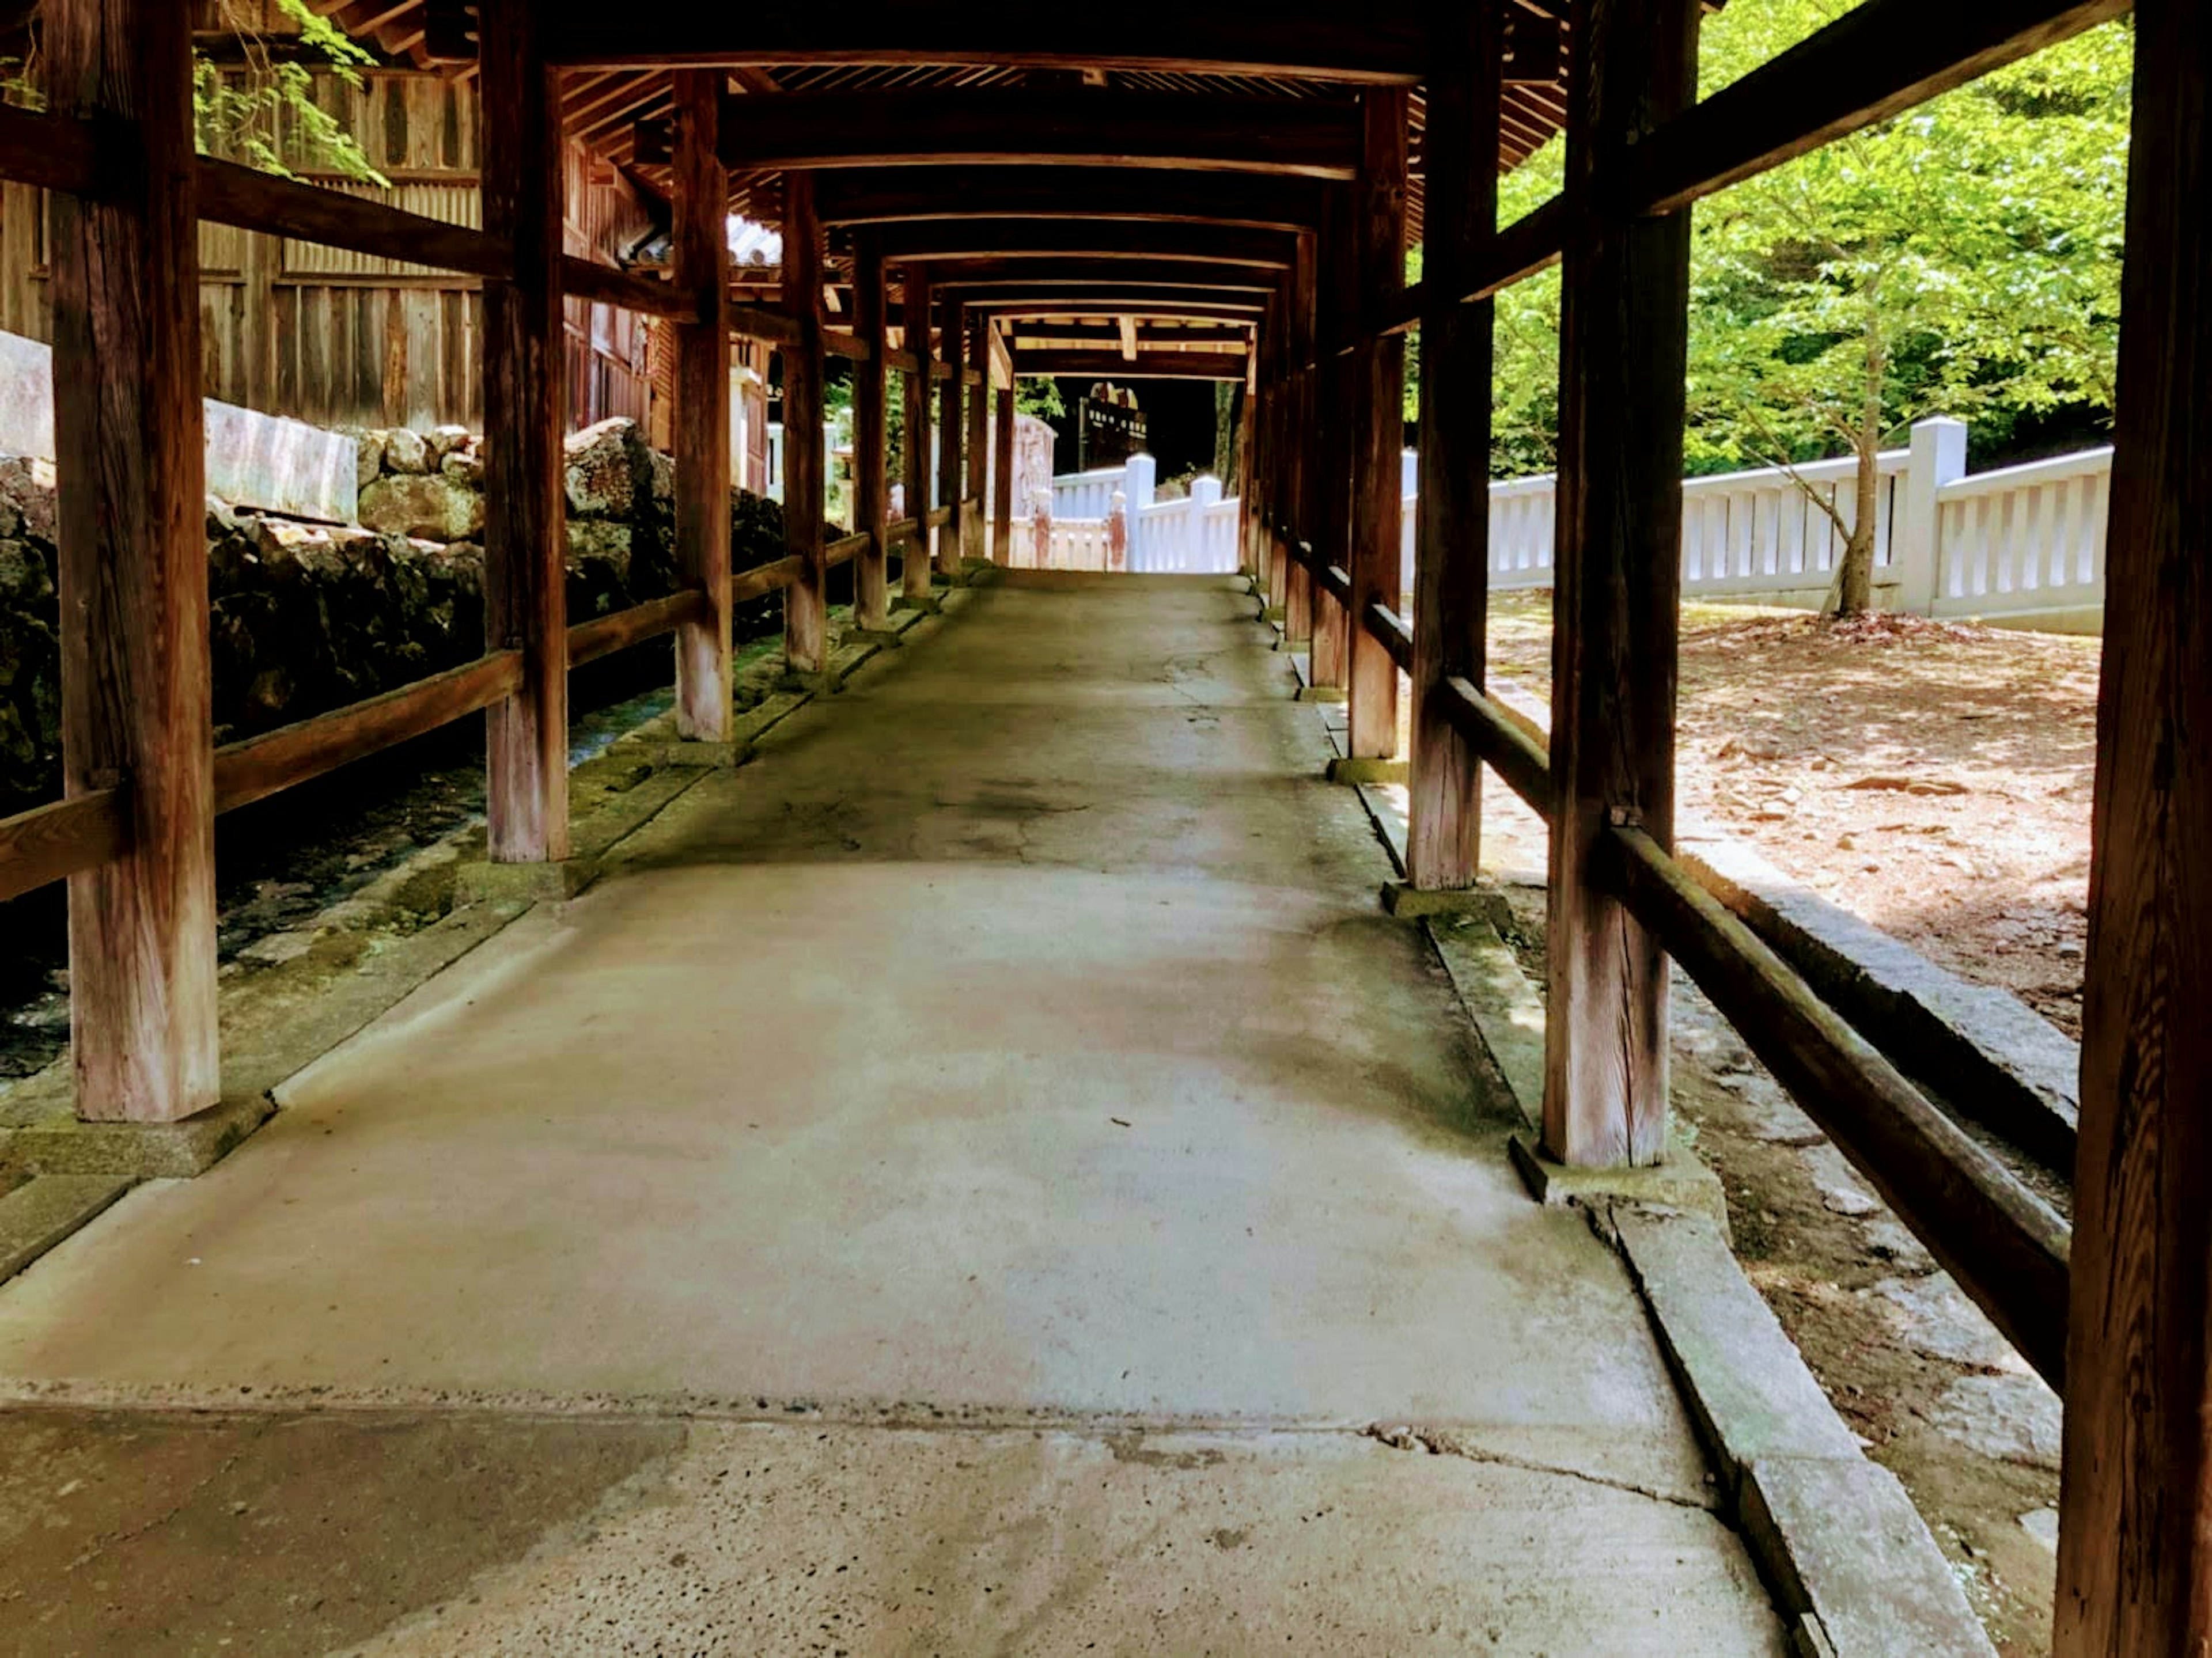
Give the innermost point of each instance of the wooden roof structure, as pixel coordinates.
(1252, 172)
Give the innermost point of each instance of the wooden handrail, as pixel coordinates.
(938, 517)
(587, 279)
(845, 548)
(603, 635)
(1391, 630)
(838, 343)
(905, 529)
(765, 578)
(2008, 1249)
(905, 361)
(52, 843)
(51, 152)
(1336, 581)
(238, 196)
(262, 766)
(1500, 742)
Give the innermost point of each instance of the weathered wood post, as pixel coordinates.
(1624, 346)
(1117, 532)
(1377, 384)
(2135, 1536)
(1302, 476)
(1337, 317)
(871, 443)
(525, 502)
(951, 428)
(1041, 530)
(130, 528)
(806, 601)
(974, 525)
(914, 572)
(1002, 537)
(1451, 557)
(702, 407)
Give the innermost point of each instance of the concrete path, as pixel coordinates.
(966, 1182)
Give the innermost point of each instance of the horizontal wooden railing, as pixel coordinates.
(757, 322)
(52, 152)
(262, 766)
(587, 279)
(938, 517)
(2007, 1248)
(1391, 632)
(603, 635)
(845, 549)
(838, 343)
(54, 842)
(905, 529)
(249, 200)
(764, 578)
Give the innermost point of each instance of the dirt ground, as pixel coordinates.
(1936, 780)
(1932, 777)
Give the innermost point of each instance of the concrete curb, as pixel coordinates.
(42, 1211)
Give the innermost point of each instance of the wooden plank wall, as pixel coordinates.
(338, 338)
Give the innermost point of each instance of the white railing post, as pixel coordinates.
(1939, 456)
(1205, 492)
(1138, 482)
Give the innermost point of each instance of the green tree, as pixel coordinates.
(1962, 257)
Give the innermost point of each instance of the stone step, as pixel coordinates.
(45, 1209)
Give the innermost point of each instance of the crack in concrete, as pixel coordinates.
(101, 1545)
(1402, 1436)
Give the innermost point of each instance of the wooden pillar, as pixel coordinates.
(1333, 432)
(972, 526)
(914, 573)
(132, 528)
(952, 427)
(2135, 1536)
(702, 407)
(805, 602)
(1623, 349)
(1451, 555)
(526, 505)
(1377, 385)
(871, 494)
(1002, 534)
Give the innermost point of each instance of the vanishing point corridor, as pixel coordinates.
(975, 1179)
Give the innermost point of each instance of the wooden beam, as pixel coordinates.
(1086, 336)
(952, 431)
(1297, 40)
(2135, 1535)
(62, 838)
(1002, 488)
(1112, 365)
(1624, 330)
(998, 126)
(1077, 272)
(1880, 58)
(1294, 595)
(52, 152)
(757, 322)
(1146, 195)
(1500, 742)
(525, 504)
(1106, 300)
(130, 533)
(261, 766)
(805, 602)
(1377, 381)
(974, 531)
(603, 284)
(914, 570)
(777, 575)
(2005, 1246)
(872, 385)
(1451, 556)
(250, 200)
(603, 635)
(1089, 239)
(702, 410)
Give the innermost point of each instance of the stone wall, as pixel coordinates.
(305, 618)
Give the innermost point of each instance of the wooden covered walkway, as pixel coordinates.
(1014, 1046)
(1228, 190)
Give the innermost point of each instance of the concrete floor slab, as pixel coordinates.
(1017, 1041)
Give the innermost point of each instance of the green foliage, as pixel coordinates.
(1039, 397)
(265, 116)
(1963, 258)
(260, 112)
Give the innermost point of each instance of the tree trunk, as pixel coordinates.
(1855, 576)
